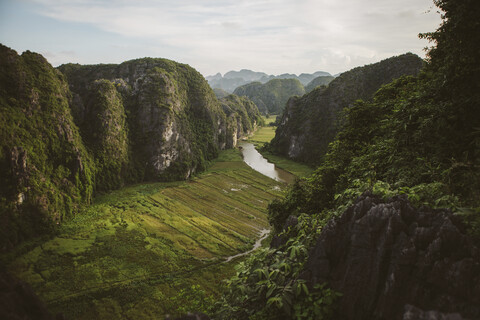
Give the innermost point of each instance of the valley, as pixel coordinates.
(133, 251)
(145, 190)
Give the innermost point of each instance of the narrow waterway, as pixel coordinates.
(263, 234)
(257, 162)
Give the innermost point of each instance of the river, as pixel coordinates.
(257, 162)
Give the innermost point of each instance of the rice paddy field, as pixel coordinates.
(144, 251)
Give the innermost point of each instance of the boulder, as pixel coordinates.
(385, 255)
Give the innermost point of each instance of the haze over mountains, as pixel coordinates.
(233, 79)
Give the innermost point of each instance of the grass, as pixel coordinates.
(133, 252)
(264, 135)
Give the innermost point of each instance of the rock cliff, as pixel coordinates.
(393, 261)
(309, 123)
(45, 170)
(242, 118)
(174, 121)
(67, 133)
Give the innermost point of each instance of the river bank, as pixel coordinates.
(264, 135)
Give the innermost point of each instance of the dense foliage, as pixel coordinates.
(243, 117)
(65, 136)
(271, 97)
(318, 81)
(173, 118)
(268, 285)
(309, 123)
(419, 136)
(45, 170)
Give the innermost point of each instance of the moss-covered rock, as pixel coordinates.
(174, 122)
(243, 118)
(46, 171)
(109, 125)
(105, 132)
(309, 123)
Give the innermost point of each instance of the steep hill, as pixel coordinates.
(308, 123)
(70, 132)
(243, 117)
(45, 169)
(318, 81)
(245, 74)
(175, 124)
(271, 96)
(369, 235)
(220, 93)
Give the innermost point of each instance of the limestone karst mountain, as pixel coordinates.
(234, 79)
(76, 130)
(309, 123)
(271, 97)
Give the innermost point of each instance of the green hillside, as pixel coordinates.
(131, 252)
(271, 97)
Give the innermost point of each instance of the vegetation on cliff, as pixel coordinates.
(418, 138)
(46, 171)
(271, 97)
(243, 118)
(318, 81)
(174, 121)
(66, 136)
(309, 123)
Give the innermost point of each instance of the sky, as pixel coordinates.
(271, 36)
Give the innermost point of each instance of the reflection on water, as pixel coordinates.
(255, 160)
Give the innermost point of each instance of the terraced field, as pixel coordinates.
(137, 252)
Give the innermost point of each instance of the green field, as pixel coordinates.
(136, 252)
(264, 135)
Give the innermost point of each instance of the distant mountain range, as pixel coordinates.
(233, 79)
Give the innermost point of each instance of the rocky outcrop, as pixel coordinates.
(142, 120)
(174, 121)
(393, 261)
(309, 123)
(45, 169)
(102, 121)
(271, 97)
(242, 118)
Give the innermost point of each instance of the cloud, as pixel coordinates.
(275, 36)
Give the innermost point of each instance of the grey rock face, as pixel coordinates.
(310, 123)
(174, 122)
(385, 255)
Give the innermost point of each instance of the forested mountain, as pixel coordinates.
(271, 97)
(387, 226)
(220, 93)
(318, 81)
(70, 132)
(243, 117)
(233, 79)
(309, 123)
(46, 170)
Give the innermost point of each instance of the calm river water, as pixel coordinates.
(256, 161)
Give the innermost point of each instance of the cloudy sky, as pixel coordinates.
(273, 36)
